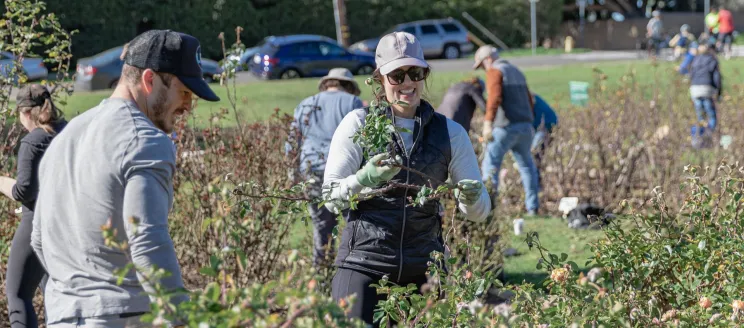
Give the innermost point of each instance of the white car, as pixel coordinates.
(440, 38)
(33, 67)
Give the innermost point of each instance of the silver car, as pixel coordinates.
(441, 38)
(33, 67)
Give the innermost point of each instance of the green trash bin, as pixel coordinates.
(579, 92)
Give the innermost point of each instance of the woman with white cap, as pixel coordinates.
(386, 236)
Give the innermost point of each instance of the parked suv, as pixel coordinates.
(440, 38)
(294, 56)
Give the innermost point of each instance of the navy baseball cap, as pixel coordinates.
(165, 51)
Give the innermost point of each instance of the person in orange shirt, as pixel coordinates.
(507, 125)
(725, 31)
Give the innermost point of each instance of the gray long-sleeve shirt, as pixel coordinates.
(460, 101)
(111, 162)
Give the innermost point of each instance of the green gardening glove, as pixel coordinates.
(371, 175)
(468, 191)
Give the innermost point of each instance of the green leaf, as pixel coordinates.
(564, 257)
(212, 291)
(214, 262)
(481, 287)
(378, 315)
(207, 271)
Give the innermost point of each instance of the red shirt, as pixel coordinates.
(725, 21)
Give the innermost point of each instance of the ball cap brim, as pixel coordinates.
(199, 87)
(176, 53)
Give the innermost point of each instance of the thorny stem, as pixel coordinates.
(290, 321)
(302, 199)
(421, 313)
(224, 270)
(422, 174)
(230, 97)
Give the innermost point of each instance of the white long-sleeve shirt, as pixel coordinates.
(345, 159)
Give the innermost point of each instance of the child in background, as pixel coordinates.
(681, 41)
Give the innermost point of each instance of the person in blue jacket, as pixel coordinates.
(545, 120)
(684, 67)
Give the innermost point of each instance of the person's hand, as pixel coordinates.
(372, 174)
(468, 191)
(487, 131)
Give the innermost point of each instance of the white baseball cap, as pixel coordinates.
(483, 53)
(398, 49)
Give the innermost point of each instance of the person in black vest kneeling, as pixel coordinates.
(385, 236)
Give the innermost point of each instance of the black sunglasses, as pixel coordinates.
(415, 73)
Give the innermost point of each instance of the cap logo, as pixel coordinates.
(198, 55)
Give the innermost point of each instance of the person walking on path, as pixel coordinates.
(725, 32)
(706, 85)
(385, 236)
(315, 120)
(654, 33)
(43, 120)
(545, 121)
(113, 166)
(507, 125)
(461, 100)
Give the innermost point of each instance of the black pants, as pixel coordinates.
(347, 282)
(323, 223)
(24, 275)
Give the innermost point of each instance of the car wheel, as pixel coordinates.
(451, 52)
(290, 74)
(114, 83)
(365, 70)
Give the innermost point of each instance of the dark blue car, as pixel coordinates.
(294, 56)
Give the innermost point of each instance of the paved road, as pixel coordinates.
(466, 64)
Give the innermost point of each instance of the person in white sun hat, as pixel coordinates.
(385, 235)
(315, 120)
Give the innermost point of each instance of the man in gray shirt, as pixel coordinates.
(114, 165)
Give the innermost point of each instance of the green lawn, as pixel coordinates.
(557, 237)
(554, 234)
(257, 100)
(540, 51)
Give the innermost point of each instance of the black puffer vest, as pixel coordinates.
(385, 235)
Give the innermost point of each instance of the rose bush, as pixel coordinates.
(670, 259)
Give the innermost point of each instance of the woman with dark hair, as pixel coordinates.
(385, 235)
(43, 120)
